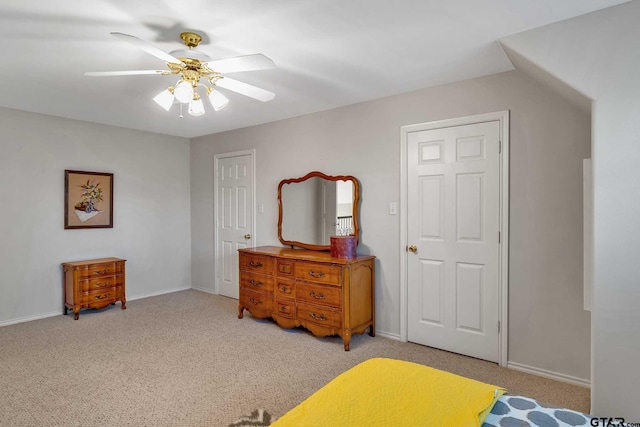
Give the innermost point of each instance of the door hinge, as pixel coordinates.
(499, 146)
(498, 237)
(498, 326)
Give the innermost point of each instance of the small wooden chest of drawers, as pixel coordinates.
(299, 287)
(93, 283)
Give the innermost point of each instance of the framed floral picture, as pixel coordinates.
(88, 199)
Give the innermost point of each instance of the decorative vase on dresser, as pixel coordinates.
(93, 283)
(305, 284)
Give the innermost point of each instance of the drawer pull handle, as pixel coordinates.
(284, 309)
(284, 269)
(255, 282)
(316, 274)
(102, 296)
(315, 316)
(101, 272)
(255, 264)
(317, 296)
(255, 301)
(102, 285)
(285, 289)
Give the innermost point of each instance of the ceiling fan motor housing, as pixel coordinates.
(191, 39)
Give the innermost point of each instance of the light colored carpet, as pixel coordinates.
(185, 359)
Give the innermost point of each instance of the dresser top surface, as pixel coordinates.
(91, 261)
(303, 254)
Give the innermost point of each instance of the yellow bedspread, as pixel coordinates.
(388, 392)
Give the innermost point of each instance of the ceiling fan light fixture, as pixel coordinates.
(165, 98)
(218, 100)
(184, 91)
(192, 66)
(196, 108)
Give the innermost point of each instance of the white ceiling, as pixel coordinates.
(328, 53)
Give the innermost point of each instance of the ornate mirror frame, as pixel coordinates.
(316, 174)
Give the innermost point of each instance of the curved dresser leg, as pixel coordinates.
(124, 304)
(240, 312)
(347, 340)
(76, 312)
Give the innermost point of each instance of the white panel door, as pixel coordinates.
(453, 220)
(235, 218)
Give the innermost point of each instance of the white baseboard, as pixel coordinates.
(209, 291)
(30, 318)
(59, 313)
(389, 335)
(549, 374)
(155, 294)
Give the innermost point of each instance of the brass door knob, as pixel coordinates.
(247, 236)
(413, 248)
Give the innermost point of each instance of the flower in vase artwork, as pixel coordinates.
(88, 199)
(91, 194)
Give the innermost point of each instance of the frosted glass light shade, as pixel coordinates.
(218, 100)
(183, 92)
(196, 108)
(164, 99)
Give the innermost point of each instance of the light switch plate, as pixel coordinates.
(393, 208)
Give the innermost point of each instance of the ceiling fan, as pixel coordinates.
(195, 67)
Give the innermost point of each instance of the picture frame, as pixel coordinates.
(88, 199)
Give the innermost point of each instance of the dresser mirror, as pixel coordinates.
(316, 206)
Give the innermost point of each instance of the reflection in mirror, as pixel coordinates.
(344, 208)
(315, 207)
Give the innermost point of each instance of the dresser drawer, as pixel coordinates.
(256, 282)
(100, 270)
(318, 294)
(256, 264)
(285, 289)
(100, 283)
(284, 268)
(98, 297)
(321, 273)
(321, 316)
(256, 300)
(286, 309)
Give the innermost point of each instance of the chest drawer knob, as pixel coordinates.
(315, 316)
(255, 301)
(255, 282)
(319, 295)
(102, 285)
(102, 296)
(316, 274)
(101, 272)
(255, 264)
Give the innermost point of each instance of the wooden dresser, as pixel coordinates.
(299, 287)
(93, 283)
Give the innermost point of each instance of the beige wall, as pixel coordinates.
(598, 55)
(549, 138)
(151, 209)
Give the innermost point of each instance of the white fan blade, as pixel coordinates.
(148, 47)
(241, 63)
(125, 73)
(246, 89)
